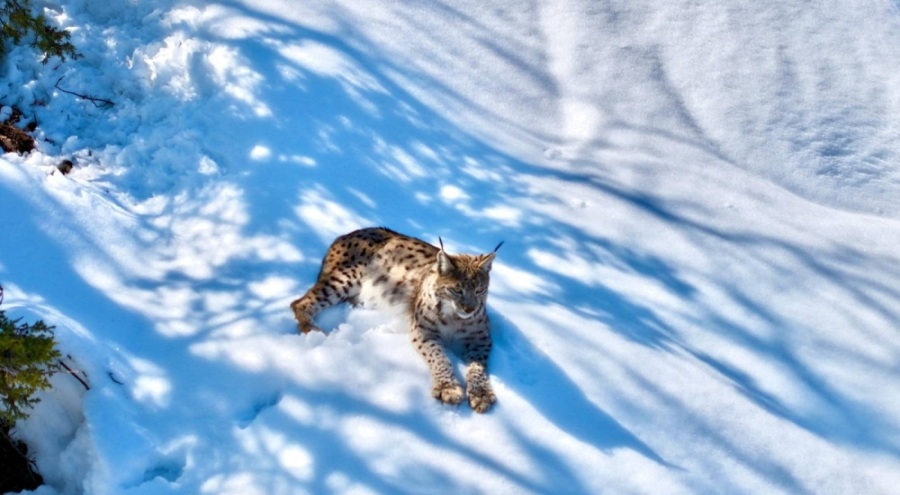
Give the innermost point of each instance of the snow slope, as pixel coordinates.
(699, 290)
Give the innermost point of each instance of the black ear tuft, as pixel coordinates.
(498, 246)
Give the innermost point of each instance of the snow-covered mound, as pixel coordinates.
(698, 292)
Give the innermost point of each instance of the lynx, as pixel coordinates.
(443, 295)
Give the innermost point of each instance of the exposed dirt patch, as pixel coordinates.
(14, 139)
(16, 471)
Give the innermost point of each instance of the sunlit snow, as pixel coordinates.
(699, 289)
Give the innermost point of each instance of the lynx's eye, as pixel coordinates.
(455, 291)
(481, 290)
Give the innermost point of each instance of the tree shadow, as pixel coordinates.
(836, 267)
(421, 433)
(365, 166)
(562, 402)
(336, 154)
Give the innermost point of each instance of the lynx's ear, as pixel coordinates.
(486, 261)
(445, 262)
(446, 265)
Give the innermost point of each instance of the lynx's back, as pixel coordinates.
(377, 265)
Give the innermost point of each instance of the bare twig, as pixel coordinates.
(98, 102)
(75, 374)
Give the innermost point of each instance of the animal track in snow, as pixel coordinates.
(245, 419)
(167, 469)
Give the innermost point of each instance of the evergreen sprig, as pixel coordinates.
(28, 357)
(19, 24)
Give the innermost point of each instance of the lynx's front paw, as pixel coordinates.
(481, 397)
(448, 393)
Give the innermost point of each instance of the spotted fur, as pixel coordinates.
(443, 295)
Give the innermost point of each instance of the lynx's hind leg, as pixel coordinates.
(340, 277)
(332, 288)
(327, 292)
(308, 306)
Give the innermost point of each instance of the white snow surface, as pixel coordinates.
(699, 290)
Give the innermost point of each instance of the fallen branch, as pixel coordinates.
(98, 102)
(75, 374)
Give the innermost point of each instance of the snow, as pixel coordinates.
(698, 290)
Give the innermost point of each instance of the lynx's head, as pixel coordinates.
(463, 280)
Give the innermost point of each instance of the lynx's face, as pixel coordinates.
(463, 280)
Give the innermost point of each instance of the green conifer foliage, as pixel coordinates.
(19, 24)
(28, 357)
